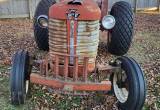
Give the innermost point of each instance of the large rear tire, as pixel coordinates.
(122, 33)
(40, 33)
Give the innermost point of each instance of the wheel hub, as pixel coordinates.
(120, 87)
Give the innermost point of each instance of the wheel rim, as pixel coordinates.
(27, 86)
(120, 92)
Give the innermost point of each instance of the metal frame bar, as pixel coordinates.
(63, 71)
(70, 86)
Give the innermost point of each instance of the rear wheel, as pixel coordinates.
(122, 33)
(129, 85)
(19, 77)
(41, 33)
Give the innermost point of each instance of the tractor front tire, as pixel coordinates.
(122, 33)
(19, 77)
(40, 33)
(129, 85)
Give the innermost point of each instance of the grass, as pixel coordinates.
(147, 49)
(5, 103)
(4, 93)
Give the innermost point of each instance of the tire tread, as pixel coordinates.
(122, 33)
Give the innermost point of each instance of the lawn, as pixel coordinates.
(17, 34)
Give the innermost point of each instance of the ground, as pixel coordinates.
(17, 34)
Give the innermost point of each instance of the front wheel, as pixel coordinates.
(19, 77)
(129, 85)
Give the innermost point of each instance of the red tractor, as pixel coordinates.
(69, 31)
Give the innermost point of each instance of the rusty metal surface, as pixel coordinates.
(57, 37)
(73, 43)
(70, 86)
(90, 67)
(89, 10)
(59, 76)
(103, 5)
(66, 63)
(85, 69)
(87, 39)
(76, 68)
(56, 72)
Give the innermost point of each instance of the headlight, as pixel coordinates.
(108, 22)
(43, 21)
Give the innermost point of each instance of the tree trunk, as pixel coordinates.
(135, 6)
(158, 5)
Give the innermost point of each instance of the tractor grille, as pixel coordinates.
(87, 38)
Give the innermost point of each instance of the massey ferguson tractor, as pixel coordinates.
(69, 31)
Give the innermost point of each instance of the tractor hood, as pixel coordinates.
(80, 9)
